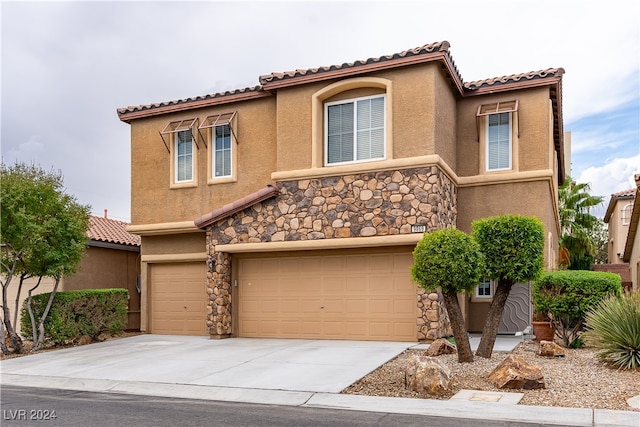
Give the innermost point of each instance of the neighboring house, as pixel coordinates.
(112, 260)
(631, 253)
(291, 209)
(618, 218)
(624, 240)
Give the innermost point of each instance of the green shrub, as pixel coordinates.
(77, 313)
(567, 296)
(613, 327)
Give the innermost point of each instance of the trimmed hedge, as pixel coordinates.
(567, 295)
(77, 313)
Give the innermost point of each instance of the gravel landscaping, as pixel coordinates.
(577, 380)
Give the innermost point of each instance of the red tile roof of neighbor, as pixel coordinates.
(620, 195)
(236, 206)
(111, 231)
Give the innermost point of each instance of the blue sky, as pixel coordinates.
(67, 71)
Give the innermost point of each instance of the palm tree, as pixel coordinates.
(577, 225)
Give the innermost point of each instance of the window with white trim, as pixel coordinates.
(626, 214)
(499, 119)
(499, 141)
(485, 289)
(183, 156)
(221, 129)
(355, 130)
(222, 151)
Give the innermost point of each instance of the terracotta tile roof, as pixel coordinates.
(514, 78)
(111, 231)
(416, 55)
(620, 195)
(237, 206)
(438, 51)
(631, 193)
(128, 113)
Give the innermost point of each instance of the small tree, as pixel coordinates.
(451, 261)
(513, 248)
(43, 233)
(568, 295)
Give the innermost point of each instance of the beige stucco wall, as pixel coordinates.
(518, 198)
(154, 202)
(46, 285)
(109, 268)
(173, 244)
(618, 231)
(534, 142)
(412, 94)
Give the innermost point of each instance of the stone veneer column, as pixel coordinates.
(219, 291)
(433, 321)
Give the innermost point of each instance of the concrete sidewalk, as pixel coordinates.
(265, 371)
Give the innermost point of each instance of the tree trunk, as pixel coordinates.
(490, 330)
(16, 342)
(465, 355)
(40, 338)
(3, 345)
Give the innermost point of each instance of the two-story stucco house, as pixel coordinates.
(291, 209)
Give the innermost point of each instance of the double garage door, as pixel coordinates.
(346, 294)
(349, 294)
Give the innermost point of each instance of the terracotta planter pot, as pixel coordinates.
(544, 331)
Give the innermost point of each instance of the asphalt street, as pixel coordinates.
(24, 406)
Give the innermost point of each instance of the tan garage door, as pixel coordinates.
(178, 298)
(363, 295)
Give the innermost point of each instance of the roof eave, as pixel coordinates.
(367, 68)
(127, 117)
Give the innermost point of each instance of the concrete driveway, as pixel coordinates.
(267, 364)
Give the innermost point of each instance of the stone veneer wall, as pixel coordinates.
(359, 205)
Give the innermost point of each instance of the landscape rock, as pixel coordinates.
(84, 340)
(550, 349)
(515, 373)
(426, 374)
(439, 347)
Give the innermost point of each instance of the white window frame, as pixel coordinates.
(625, 214)
(484, 283)
(354, 101)
(177, 156)
(488, 143)
(214, 151)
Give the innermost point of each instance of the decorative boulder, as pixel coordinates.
(515, 373)
(426, 374)
(439, 347)
(550, 349)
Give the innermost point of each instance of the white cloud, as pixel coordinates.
(30, 149)
(617, 175)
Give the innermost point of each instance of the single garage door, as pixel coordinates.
(359, 295)
(178, 298)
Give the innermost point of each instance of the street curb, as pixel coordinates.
(547, 415)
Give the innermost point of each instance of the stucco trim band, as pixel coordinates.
(308, 245)
(157, 258)
(383, 165)
(164, 228)
(502, 178)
